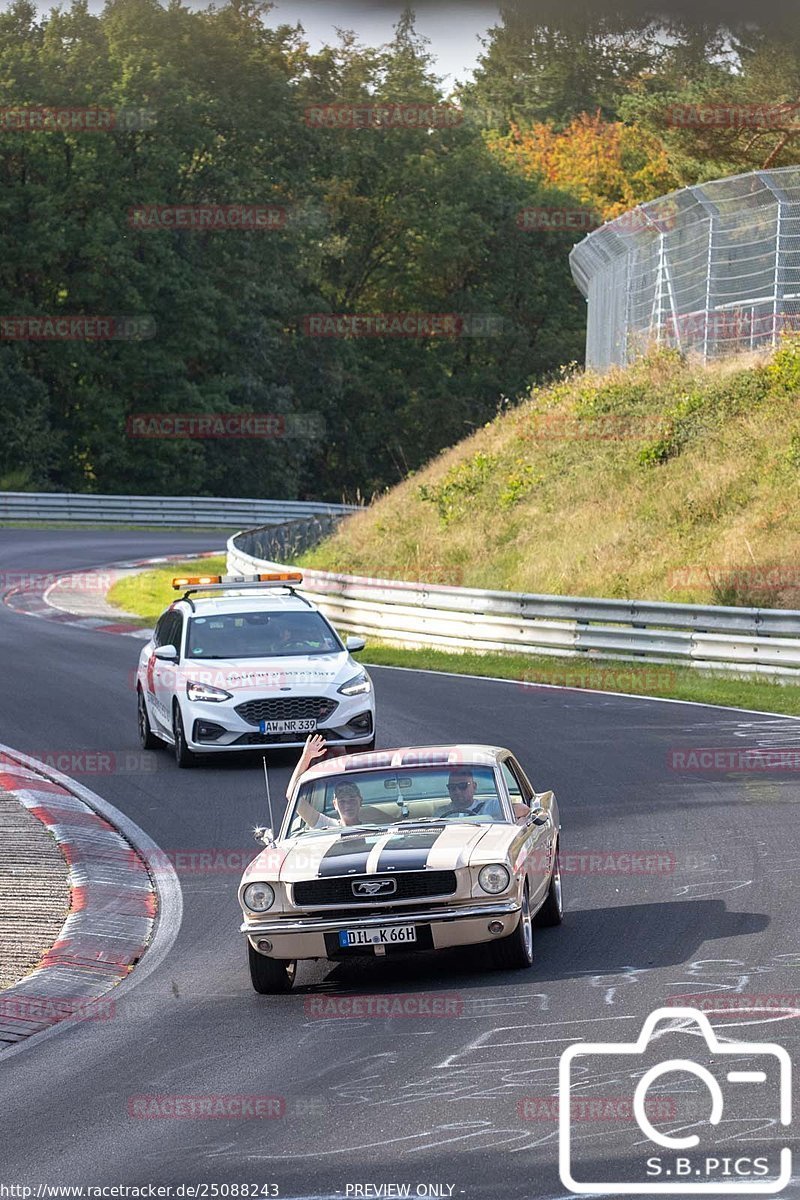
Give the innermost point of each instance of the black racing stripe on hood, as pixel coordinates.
(408, 851)
(348, 856)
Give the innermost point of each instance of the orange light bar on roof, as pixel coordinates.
(183, 581)
(219, 582)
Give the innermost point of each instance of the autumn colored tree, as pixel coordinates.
(606, 165)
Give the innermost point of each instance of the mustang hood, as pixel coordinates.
(321, 856)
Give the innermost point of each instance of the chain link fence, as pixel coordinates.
(711, 269)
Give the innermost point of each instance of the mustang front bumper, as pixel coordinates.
(305, 937)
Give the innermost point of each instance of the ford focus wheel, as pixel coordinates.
(184, 757)
(147, 739)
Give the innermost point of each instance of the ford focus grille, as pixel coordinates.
(292, 708)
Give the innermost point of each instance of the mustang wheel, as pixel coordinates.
(516, 950)
(552, 911)
(184, 757)
(270, 975)
(147, 739)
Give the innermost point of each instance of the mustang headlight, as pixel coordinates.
(494, 878)
(356, 686)
(204, 691)
(258, 897)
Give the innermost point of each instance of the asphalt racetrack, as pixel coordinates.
(450, 1102)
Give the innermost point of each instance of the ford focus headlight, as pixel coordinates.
(494, 878)
(204, 691)
(258, 897)
(356, 686)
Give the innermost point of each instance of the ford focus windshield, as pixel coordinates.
(260, 635)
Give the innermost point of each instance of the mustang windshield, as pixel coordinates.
(412, 795)
(260, 635)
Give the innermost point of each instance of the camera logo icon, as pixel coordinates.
(676, 1162)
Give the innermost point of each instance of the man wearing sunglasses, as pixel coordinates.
(461, 785)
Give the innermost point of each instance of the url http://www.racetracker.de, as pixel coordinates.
(181, 1191)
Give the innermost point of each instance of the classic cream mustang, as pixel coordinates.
(398, 851)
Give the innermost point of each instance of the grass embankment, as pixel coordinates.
(665, 481)
(149, 593)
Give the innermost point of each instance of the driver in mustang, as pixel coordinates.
(461, 785)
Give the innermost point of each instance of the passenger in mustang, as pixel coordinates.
(347, 797)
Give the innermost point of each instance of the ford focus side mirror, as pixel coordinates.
(166, 653)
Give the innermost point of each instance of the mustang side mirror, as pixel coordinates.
(166, 653)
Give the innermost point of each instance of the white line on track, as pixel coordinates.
(557, 687)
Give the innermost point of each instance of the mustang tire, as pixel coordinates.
(270, 975)
(147, 739)
(552, 912)
(184, 757)
(516, 950)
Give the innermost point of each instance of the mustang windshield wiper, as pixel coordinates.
(349, 830)
(420, 821)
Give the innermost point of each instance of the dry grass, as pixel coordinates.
(667, 480)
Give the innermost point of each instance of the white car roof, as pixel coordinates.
(460, 754)
(205, 606)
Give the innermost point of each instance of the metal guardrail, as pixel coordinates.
(270, 542)
(420, 615)
(210, 511)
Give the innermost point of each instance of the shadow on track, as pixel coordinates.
(590, 942)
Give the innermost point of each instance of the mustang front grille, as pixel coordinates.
(295, 708)
(411, 885)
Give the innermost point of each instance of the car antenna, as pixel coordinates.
(269, 799)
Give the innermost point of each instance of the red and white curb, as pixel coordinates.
(122, 908)
(38, 596)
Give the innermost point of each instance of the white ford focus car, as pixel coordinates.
(249, 665)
